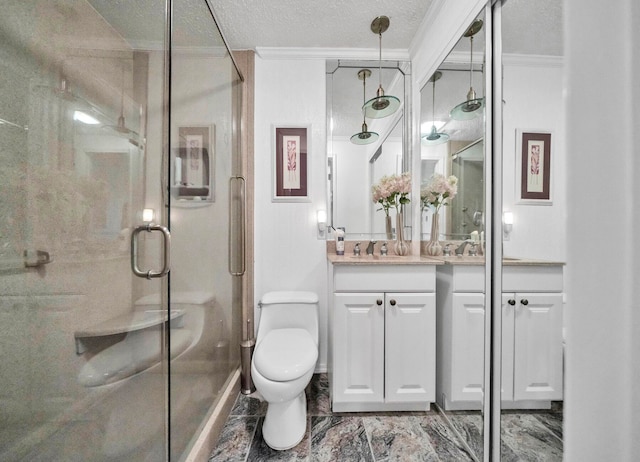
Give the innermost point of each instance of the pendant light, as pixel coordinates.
(121, 126)
(382, 105)
(434, 137)
(365, 136)
(470, 108)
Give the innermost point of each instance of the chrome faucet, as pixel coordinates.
(460, 249)
(370, 247)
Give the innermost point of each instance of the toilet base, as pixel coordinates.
(285, 423)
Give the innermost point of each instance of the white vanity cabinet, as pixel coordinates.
(531, 335)
(383, 337)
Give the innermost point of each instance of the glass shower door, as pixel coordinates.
(84, 374)
(205, 215)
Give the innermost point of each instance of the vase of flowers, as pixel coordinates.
(434, 195)
(387, 227)
(392, 191)
(401, 247)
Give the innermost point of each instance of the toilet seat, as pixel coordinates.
(285, 354)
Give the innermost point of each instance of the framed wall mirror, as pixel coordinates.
(355, 168)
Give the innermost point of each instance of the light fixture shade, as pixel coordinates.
(470, 109)
(364, 137)
(434, 138)
(380, 106)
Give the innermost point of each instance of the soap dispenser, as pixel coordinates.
(339, 241)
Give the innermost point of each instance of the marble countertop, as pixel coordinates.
(351, 259)
(506, 261)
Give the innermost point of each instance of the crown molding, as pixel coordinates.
(514, 59)
(332, 53)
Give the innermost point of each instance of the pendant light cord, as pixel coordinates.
(380, 61)
(471, 64)
(364, 95)
(433, 107)
(122, 94)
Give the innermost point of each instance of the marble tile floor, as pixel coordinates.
(386, 436)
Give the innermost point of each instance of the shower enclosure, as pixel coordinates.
(120, 158)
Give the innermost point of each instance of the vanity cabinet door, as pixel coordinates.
(537, 346)
(358, 340)
(410, 347)
(467, 347)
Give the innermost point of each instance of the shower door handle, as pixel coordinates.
(243, 224)
(166, 260)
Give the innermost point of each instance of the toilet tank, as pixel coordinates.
(288, 309)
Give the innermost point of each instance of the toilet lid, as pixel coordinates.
(285, 354)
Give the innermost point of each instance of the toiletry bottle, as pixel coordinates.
(339, 241)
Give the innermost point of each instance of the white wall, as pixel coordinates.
(602, 406)
(352, 201)
(533, 101)
(288, 255)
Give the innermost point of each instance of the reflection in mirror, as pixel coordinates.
(460, 282)
(462, 155)
(467, 211)
(88, 104)
(354, 169)
(531, 316)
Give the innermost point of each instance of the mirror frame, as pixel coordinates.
(404, 67)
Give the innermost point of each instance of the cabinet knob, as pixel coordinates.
(524, 301)
(392, 302)
(511, 302)
(378, 302)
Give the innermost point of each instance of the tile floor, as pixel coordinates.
(388, 436)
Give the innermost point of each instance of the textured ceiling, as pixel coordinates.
(535, 26)
(248, 24)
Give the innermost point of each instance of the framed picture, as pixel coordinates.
(290, 164)
(193, 163)
(533, 167)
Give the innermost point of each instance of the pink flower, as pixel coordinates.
(438, 190)
(392, 191)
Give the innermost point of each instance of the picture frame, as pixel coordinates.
(193, 161)
(534, 166)
(291, 163)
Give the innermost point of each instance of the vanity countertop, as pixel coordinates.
(351, 259)
(424, 260)
(506, 261)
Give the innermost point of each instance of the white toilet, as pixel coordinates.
(283, 362)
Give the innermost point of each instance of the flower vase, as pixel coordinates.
(401, 246)
(388, 229)
(434, 247)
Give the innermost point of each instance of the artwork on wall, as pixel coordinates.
(193, 172)
(533, 167)
(290, 164)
